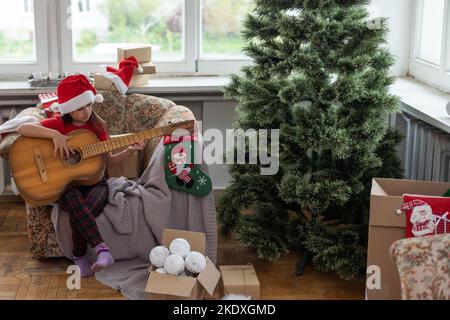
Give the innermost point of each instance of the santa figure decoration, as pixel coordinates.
(181, 171)
(179, 167)
(421, 217)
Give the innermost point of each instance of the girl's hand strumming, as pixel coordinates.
(61, 146)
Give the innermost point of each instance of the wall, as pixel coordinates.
(399, 13)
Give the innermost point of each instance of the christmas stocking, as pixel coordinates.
(426, 215)
(181, 172)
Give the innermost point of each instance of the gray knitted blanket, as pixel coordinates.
(133, 220)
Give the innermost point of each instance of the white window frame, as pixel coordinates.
(20, 69)
(84, 5)
(438, 76)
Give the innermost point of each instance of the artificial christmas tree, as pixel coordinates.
(320, 76)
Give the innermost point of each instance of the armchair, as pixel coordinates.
(423, 264)
(131, 113)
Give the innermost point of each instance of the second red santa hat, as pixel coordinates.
(122, 76)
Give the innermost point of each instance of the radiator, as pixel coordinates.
(7, 113)
(425, 150)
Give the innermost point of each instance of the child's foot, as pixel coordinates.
(84, 265)
(104, 258)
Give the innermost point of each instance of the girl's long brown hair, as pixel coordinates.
(95, 120)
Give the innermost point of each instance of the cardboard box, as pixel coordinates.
(170, 287)
(149, 68)
(129, 168)
(142, 53)
(386, 227)
(240, 279)
(140, 80)
(102, 83)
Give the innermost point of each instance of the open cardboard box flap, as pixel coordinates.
(170, 284)
(196, 240)
(209, 277)
(387, 196)
(183, 286)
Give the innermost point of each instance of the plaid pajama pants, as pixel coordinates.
(84, 204)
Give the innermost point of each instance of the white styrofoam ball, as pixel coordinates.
(161, 270)
(174, 264)
(180, 247)
(195, 262)
(158, 255)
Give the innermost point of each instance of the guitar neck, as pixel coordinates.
(113, 144)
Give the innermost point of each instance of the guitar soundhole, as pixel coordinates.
(74, 159)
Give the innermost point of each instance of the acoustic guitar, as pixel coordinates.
(41, 178)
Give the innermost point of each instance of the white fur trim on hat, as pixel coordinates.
(79, 102)
(120, 85)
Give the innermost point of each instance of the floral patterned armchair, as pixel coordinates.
(424, 267)
(127, 114)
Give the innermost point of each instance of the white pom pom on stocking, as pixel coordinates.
(174, 264)
(195, 262)
(158, 255)
(180, 247)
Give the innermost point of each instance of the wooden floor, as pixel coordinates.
(22, 277)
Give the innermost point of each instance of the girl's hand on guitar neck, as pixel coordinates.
(138, 146)
(61, 146)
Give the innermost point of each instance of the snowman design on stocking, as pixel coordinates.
(179, 167)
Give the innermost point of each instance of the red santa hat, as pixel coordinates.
(76, 92)
(411, 205)
(122, 76)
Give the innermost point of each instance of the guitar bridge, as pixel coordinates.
(40, 165)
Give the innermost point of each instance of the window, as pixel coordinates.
(17, 33)
(431, 51)
(115, 23)
(72, 36)
(23, 41)
(187, 36)
(221, 26)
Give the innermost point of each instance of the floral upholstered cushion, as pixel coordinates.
(144, 112)
(424, 267)
(41, 233)
(8, 140)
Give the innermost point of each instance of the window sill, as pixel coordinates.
(418, 99)
(423, 102)
(210, 85)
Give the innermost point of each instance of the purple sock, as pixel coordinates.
(84, 265)
(104, 258)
